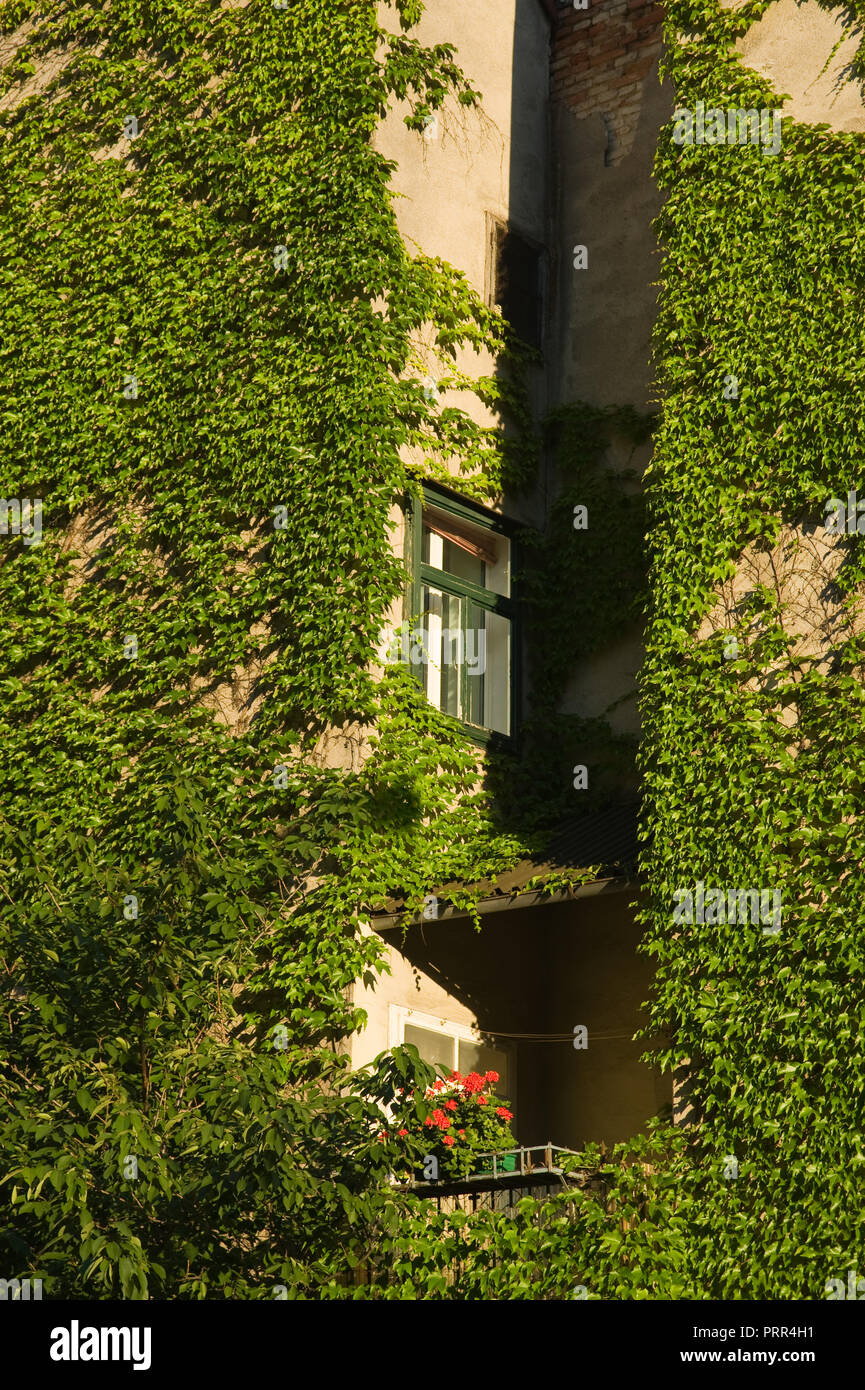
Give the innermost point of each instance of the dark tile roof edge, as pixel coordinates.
(604, 840)
(446, 911)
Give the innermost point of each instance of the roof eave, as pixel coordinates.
(386, 921)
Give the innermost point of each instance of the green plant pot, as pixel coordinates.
(506, 1164)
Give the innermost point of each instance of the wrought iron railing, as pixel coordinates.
(528, 1171)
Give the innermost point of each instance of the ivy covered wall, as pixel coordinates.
(207, 315)
(760, 360)
(751, 751)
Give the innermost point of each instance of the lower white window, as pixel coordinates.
(452, 1046)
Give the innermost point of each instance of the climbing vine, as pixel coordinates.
(745, 786)
(211, 374)
(209, 331)
(751, 750)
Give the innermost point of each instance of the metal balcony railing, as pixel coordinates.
(527, 1162)
(530, 1170)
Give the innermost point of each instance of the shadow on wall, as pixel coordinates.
(608, 106)
(532, 976)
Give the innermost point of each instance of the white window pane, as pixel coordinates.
(441, 650)
(464, 653)
(435, 1048)
(480, 1058)
(470, 552)
(498, 576)
(497, 679)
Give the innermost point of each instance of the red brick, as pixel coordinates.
(647, 25)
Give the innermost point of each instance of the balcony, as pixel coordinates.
(507, 1176)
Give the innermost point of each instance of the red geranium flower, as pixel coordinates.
(503, 1113)
(448, 1139)
(492, 1076)
(481, 1100)
(428, 1120)
(441, 1119)
(450, 1105)
(401, 1133)
(473, 1082)
(462, 1134)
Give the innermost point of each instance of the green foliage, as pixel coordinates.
(745, 781)
(596, 573)
(168, 904)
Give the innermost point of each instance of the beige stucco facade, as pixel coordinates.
(805, 51)
(469, 166)
(472, 165)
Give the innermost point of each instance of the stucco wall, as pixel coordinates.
(407, 986)
(480, 161)
(805, 51)
(494, 160)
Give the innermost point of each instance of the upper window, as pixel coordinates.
(515, 281)
(462, 640)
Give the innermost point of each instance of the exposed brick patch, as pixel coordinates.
(601, 58)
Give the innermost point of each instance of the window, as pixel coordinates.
(462, 639)
(452, 1046)
(515, 281)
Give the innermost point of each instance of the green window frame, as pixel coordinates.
(473, 601)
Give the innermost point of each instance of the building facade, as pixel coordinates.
(548, 991)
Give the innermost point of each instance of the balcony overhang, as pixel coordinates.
(387, 921)
(598, 850)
